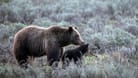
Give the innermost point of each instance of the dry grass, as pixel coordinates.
(103, 66)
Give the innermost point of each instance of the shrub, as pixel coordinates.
(112, 36)
(111, 40)
(96, 69)
(132, 29)
(6, 39)
(26, 12)
(19, 11)
(4, 1)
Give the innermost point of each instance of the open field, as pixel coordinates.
(111, 25)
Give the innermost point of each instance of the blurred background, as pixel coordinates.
(109, 26)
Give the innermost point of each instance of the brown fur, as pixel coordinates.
(38, 41)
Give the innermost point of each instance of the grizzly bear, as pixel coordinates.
(36, 41)
(74, 55)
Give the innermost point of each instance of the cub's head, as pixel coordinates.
(83, 48)
(74, 36)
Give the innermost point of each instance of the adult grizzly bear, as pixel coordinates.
(35, 41)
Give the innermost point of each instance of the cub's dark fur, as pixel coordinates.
(75, 54)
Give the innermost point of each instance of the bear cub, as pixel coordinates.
(75, 55)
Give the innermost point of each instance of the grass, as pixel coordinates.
(101, 67)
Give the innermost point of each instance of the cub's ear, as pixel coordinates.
(70, 29)
(87, 44)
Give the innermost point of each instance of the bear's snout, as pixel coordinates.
(81, 42)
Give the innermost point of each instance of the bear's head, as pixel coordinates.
(74, 36)
(67, 35)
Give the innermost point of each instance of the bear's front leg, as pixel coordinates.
(53, 56)
(61, 52)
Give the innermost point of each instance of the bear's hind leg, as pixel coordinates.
(22, 61)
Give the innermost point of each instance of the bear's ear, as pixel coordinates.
(76, 27)
(87, 45)
(70, 29)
